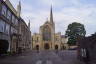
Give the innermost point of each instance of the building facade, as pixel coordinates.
(10, 27)
(47, 39)
(24, 31)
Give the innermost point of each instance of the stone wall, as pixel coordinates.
(87, 48)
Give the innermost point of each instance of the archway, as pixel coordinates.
(63, 47)
(56, 47)
(37, 47)
(46, 46)
(4, 45)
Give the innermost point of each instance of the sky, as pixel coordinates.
(64, 11)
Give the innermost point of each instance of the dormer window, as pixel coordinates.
(9, 15)
(4, 9)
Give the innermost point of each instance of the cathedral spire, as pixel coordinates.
(51, 15)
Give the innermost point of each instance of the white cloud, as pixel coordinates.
(77, 12)
(81, 15)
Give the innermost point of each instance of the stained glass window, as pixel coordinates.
(46, 33)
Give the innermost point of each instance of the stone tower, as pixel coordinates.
(51, 16)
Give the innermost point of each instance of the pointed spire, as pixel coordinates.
(19, 9)
(29, 24)
(51, 15)
(20, 3)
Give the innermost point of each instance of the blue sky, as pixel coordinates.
(64, 11)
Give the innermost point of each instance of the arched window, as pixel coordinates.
(46, 33)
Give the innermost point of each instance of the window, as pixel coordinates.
(56, 39)
(13, 30)
(2, 25)
(9, 15)
(46, 33)
(4, 9)
(7, 29)
(13, 19)
(83, 52)
(16, 22)
(37, 39)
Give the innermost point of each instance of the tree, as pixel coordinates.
(73, 31)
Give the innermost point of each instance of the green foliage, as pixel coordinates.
(73, 31)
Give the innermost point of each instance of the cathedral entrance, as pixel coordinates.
(37, 47)
(56, 47)
(46, 46)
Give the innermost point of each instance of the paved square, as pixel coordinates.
(43, 57)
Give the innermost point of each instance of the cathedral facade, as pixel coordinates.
(47, 39)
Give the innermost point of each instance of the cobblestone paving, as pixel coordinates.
(43, 57)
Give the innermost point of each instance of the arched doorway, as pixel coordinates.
(63, 47)
(46, 46)
(37, 47)
(56, 47)
(4, 45)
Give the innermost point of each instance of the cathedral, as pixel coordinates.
(47, 39)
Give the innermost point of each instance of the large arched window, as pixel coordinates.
(46, 33)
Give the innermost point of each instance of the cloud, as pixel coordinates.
(81, 15)
(65, 12)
